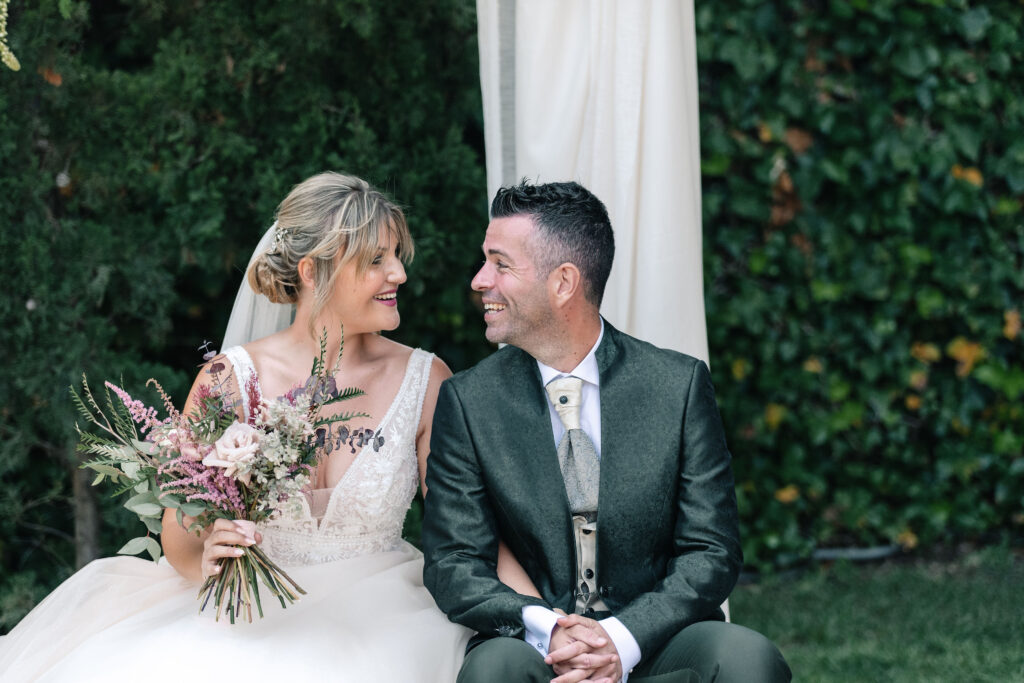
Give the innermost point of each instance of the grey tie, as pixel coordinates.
(577, 457)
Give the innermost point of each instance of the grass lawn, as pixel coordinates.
(955, 620)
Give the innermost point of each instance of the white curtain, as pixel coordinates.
(604, 92)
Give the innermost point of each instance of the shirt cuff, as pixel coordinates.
(625, 643)
(539, 622)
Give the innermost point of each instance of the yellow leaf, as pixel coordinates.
(773, 415)
(812, 364)
(966, 353)
(1012, 324)
(907, 539)
(926, 353)
(919, 379)
(968, 174)
(787, 494)
(51, 76)
(913, 402)
(739, 368)
(974, 177)
(764, 133)
(798, 140)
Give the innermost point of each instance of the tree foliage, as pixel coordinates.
(145, 146)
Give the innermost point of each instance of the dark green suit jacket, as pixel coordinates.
(668, 544)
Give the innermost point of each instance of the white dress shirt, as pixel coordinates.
(540, 621)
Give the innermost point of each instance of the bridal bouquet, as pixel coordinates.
(211, 464)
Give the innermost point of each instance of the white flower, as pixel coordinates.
(235, 451)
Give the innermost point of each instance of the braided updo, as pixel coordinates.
(322, 217)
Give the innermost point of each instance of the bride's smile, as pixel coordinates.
(368, 301)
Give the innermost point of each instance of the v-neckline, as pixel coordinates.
(359, 456)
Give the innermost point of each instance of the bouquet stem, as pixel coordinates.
(236, 587)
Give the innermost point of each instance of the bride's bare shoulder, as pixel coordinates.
(273, 346)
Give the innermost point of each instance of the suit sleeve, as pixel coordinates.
(706, 555)
(460, 532)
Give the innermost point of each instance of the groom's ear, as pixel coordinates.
(563, 283)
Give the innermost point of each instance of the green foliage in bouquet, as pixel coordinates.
(124, 459)
(235, 455)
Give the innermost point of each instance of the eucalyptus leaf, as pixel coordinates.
(144, 504)
(108, 470)
(146, 509)
(153, 548)
(130, 468)
(193, 509)
(147, 447)
(135, 546)
(153, 524)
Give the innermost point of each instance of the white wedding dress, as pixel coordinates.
(365, 617)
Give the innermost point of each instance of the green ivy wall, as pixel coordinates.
(863, 170)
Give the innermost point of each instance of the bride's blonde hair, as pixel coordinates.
(322, 217)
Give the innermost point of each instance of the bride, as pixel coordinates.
(335, 255)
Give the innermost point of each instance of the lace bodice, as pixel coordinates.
(366, 509)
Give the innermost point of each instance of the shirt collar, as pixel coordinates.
(587, 370)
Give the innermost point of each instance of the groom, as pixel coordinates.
(598, 459)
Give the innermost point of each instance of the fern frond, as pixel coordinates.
(80, 404)
(90, 438)
(341, 347)
(318, 362)
(340, 417)
(109, 450)
(123, 422)
(344, 395)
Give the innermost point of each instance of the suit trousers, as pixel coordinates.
(701, 653)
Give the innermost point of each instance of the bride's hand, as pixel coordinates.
(225, 537)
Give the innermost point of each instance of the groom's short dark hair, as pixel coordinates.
(573, 227)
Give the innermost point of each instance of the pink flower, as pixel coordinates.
(235, 450)
(190, 452)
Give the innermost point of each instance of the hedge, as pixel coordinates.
(863, 177)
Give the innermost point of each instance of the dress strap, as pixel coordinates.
(243, 369)
(420, 362)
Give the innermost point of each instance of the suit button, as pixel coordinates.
(589, 574)
(563, 399)
(587, 532)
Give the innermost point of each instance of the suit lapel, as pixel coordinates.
(532, 427)
(622, 423)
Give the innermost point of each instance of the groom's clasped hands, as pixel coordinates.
(581, 651)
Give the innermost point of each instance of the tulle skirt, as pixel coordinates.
(127, 619)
